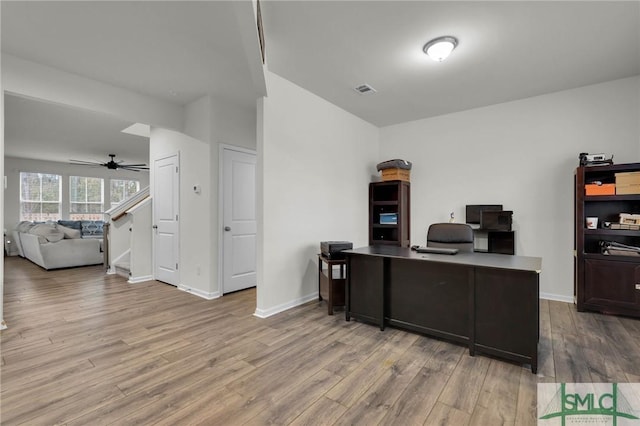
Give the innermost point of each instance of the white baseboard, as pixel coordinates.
(111, 270)
(556, 297)
(265, 313)
(199, 293)
(141, 279)
(3, 325)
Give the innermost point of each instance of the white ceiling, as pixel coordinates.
(181, 50)
(45, 131)
(173, 50)
(507, 50)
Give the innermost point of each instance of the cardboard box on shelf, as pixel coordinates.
(628, 178)
(395, 174)
(629, 219)
(629, 189)
(628, 183)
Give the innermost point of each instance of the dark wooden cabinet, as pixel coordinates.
(365, 294)
(389, 213)
(611, 285)
(429, 297)
(605, 283)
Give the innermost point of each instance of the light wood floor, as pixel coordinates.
(83, 348)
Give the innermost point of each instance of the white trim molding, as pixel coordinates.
(557, 297)
(262, 313)
(141, 279)
(199, 293)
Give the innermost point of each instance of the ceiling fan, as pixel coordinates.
(112, 164)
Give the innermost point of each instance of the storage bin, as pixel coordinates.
(604, 189)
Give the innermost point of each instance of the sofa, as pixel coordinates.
(62, 244)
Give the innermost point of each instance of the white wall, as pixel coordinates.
(34, 80)
(316, 162)
(13, 167)
(233, 125)
(194, 210)
(197, 119)
(520, 154)
(215, 121)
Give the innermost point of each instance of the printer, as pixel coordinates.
(332, 249)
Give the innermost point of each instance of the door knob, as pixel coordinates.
(155, 226)
(227, 228)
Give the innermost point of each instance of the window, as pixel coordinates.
(86, 195)
(122, 189)
(40, 196)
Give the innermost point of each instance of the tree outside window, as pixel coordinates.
(122, 189)
(86, 195)
(40, 196)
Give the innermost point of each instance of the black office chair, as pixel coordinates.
(451, 235)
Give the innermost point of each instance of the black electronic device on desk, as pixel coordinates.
(333, 249)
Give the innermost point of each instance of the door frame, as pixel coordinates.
(153, 213)
(221, 148)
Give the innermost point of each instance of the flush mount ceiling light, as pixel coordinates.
(440, 48)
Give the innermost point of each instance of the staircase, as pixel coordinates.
(123, 267)
(130, 238)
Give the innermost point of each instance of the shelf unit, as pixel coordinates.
(501, 242)
(331, 282)
(605, 283)
(389, 197)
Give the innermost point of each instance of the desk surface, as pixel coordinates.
(499, 261)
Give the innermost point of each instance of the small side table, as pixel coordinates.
(330, 286)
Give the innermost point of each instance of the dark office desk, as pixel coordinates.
(486, 301)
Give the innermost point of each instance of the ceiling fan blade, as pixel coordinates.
(86, 162)
(133, 165)
(135, 169)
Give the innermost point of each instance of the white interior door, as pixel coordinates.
(239, 219)
(165, 219)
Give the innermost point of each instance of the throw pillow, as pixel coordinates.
(73, 224)
(92, 228)
(50, 233)
(69, 233)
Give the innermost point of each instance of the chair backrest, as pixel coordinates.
(451, 235)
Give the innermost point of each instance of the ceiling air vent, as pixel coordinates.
(365, 89)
